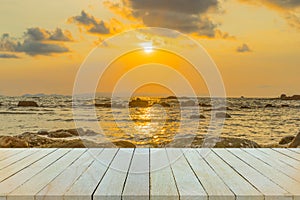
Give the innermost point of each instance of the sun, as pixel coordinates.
(148, 49)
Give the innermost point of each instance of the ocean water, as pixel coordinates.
(154, 123)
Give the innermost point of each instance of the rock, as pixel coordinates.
(171, 97)
(219, 109)
(245, 107)
(90, 133)
(124, 144)
(77, 143)
(60, 134)
(285, 106)
(285, 97)
(222, 115)
(27, 104)
(296, 142)
(197, 117)
(164, 104)
(204, 105)
(42, 132)
(269, 106)
(103, 105)
(76, 132)
(215, 142)
(188, 103)
(227, 142)
(286, 139)
(0, 104)
(12, 142)
(139, 103)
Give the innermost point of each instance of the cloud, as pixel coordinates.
(189, 16)
(91, 24)
(34, 48)
(37, 41)
(289, 9)
(38, 34)
(60, 35)
(8, 55)
(243, 48)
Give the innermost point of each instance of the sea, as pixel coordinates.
(263, 120)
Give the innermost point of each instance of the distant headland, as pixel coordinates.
(285, 97)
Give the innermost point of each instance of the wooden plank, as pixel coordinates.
(276, 164)
(160, 170)
(265, 185)
(23, 163)
(84, 187)
(212, 183)
(137, 183)
(60, 185)
(288, 153)
(16, 157)
(242, 189)
(4, 154)
(29, 189)
(284, 181)
(187, 183)
(297, 150)
(283, 158)
(18, 179)
(111, 186)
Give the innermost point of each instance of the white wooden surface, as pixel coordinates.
(86, 174)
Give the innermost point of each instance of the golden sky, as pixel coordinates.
(254, 43)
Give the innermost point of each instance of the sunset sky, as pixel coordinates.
(254, 43)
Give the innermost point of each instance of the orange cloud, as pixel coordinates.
(188, 17)
(288, 9)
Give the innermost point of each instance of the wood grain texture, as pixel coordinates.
(156, 174)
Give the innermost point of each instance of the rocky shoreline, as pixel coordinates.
(69, 138)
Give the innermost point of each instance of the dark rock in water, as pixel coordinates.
(285, 97)
(124, 144)
(77, 143)
(227, 142)
(204, 105)
(139, 103)
(287, 139)
(42, 132)
(219, 109)
(109, 105)
(285, 106)
(60, 134)
(12, 142)
(269, 106)
(188, 103)
(27, 104)
(103, 105)
(296, 142)
(90, 133)
(197, 117)
(76, 132)
(164, 104)
(245, 107)
(171, 97)
(222, 115)
(213, 142)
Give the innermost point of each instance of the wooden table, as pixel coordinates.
(149, 174)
